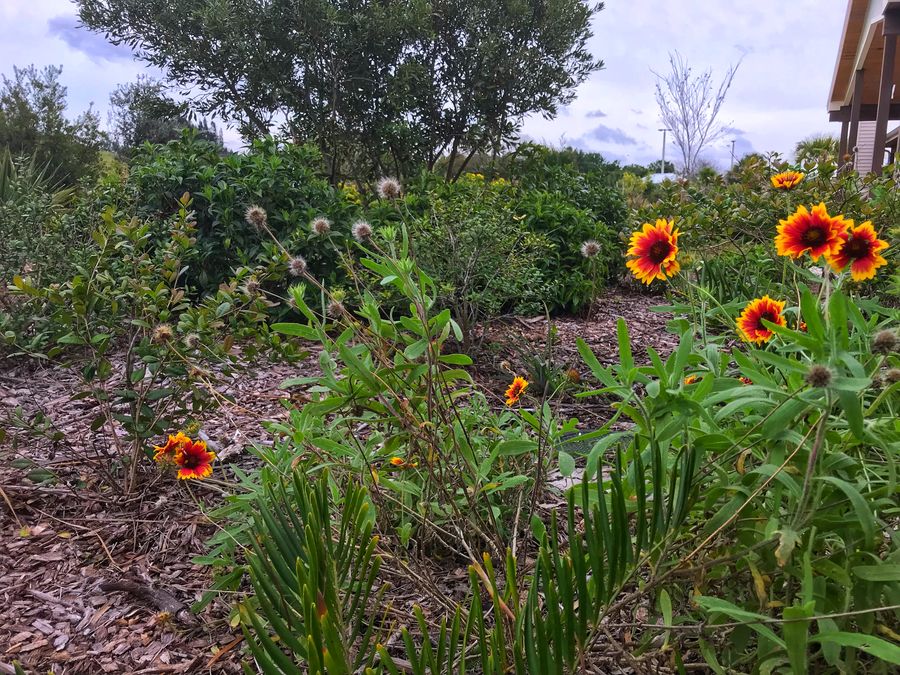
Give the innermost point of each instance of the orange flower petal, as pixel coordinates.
(750, 324)
(814, 232)
(860, 250)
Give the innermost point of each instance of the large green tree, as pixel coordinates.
(33, 122)
(387, 85)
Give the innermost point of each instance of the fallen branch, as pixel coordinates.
(162, 600)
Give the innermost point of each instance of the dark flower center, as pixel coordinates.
(857, 248)
(191, 461)
(765, 316)
(659, 251)
(813, 235)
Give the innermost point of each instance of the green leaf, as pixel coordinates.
(882, 649)
(306, 332)
(566, 464)
(881, 573)
(516, 447)
(863, 513)
(796, 634)
(717, 605)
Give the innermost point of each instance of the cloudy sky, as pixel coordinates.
(778, 97)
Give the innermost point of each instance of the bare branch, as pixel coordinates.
(689, 106)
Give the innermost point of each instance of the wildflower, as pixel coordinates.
(860, 250)
(654, 248)
(515, 390)
(163, 333)
(361, 230)
(812, 231)
(573, 376)
(256, 216)
(750, 322)
(590, 248)
(397, 461)
(297, 266)
(801, 326)
(818, 376)
(389, 188)
(320, 226)
(745, 380)
(787, 179)
(884, 342)
(690, 379)
(401, 463)
(252, 286)
(892, 376)
(166, 453)
(194, 460)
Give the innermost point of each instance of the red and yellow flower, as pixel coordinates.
(515, 390)
(860, 251)
(194, 460)
(690, 379)
(654, 248)
(750, 323)
(166, 453)
(787, 179)
(401, 463)
(814, 232)
(745, 380)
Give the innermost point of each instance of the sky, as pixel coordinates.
(778, 97)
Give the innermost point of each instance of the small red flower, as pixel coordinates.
(166, 453)
(690, 379)
(813, 232)
(654, 249)
(861, 251)
(515, 390)
(750, 323)
(194, 460)
(745, 380)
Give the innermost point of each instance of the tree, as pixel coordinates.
(141, 112)
(654, 166)
(380, 86)
(689, 106)
(818, 148)
(33, 123)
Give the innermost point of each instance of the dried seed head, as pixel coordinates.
(892, 376)
(884, 342)
(252, 286)
(335, 308)
(191, 340)
(590, 248)
(163, 333)
(256, 216)
(818, 376)
(297, 266)
(362, 231)
(389, 188)
(320, 226)
(573, 376)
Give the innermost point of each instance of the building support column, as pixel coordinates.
(891, 28)
(842, 146)
(855, 109)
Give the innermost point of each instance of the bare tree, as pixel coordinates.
(689, 106)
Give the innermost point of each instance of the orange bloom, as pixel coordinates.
(194, 460)
(654, 249)
(515, 390)
(860, 251)
(787, 179)
(690, 379)
(397, 461)
(750, 323)
(812, 231)
(401, 463)
(801, 326)
(166, 453)
(745, 380)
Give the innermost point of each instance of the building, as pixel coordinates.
(864, 96)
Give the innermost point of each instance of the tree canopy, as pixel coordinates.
(380, 86)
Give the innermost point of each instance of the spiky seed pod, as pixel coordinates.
(191, 340)
(892, 376)
(818, 376)
(590, 248)
(389, 188)
(884, 342)
(320, 226)
(252, 286)
(297, 266)
(362, 231)
(163, 333)
(335, 308)
(256, 216)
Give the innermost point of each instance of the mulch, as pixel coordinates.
(92, 582)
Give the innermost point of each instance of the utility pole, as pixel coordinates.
(732, 155)
(662, 167)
